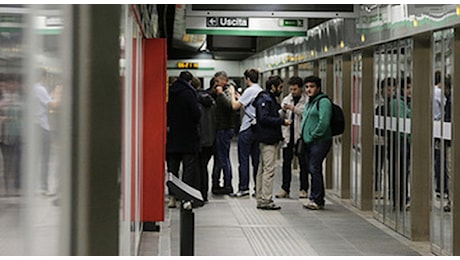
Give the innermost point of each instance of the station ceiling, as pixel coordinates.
(181, 45)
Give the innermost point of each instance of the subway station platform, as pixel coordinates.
(228, 226)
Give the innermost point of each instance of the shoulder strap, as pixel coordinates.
(252, 103)
(317, 102)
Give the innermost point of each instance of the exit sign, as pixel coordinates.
(291, 22)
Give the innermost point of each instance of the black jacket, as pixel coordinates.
(183, 119)
(208, 118)
(269, 122)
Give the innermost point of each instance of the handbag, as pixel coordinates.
(299, 148)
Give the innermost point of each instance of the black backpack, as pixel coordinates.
(337, 117)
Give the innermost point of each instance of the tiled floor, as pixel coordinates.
(233, 226)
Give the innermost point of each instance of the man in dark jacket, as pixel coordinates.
(183, 138)
(268, 132)
(207, 136)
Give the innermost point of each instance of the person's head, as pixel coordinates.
(388, 85)
(447, 85)
(274, 85)
(312, 86)
(295, 86)
(251, 75)
(221, 78)
(186, 75)
(196, 83)
(406, 87)
(437, 77)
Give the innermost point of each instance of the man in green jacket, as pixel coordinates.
(316, 133)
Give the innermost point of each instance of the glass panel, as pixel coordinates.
(441, 217)
(392, 147)
(355, 173)
(36, 125)
(337, 140)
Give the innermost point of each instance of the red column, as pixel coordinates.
(154, 129)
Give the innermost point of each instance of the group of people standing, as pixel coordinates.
(201, 123)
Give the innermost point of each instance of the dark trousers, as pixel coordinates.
(437, 168)
(247, 147)
(222, 158)
(288, 155)
(315, 153)
(378, 166)
(202, 179)
(189, 166)
(403, 175)
(11, 164)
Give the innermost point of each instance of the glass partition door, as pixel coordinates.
(441, 216)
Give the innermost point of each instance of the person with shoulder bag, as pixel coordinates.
(317, 135)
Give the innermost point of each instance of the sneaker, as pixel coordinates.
(241, 193)
(312, 205)
(172, 202)
(303, 194)
(282, 194)
(271, 206)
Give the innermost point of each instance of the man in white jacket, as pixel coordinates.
(292, 107)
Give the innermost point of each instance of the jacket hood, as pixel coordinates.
(205, 98)
(179, 86)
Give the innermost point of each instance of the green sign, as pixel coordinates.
(292, 23)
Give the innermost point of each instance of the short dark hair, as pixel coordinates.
(388, 82)
(295, 80)
(437, 77)
(274, 80)
(186, 75)
(313, 79)
(252, 75)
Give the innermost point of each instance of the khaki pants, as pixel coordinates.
(265, 173)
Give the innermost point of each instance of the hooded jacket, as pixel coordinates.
(208, 118)
(183, 119)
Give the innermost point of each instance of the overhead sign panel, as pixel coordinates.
(276, 11)
(245, 26)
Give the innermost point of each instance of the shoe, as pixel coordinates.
(172, 202)
(241, 193)
(303, 194)
(446, 208)
(312, 205)
(227, 190)
(271, 206)
(216, 190)
(282, 194)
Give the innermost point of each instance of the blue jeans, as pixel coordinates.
(247, 147)
(222, 158)
(288, 155)
(315, 153)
